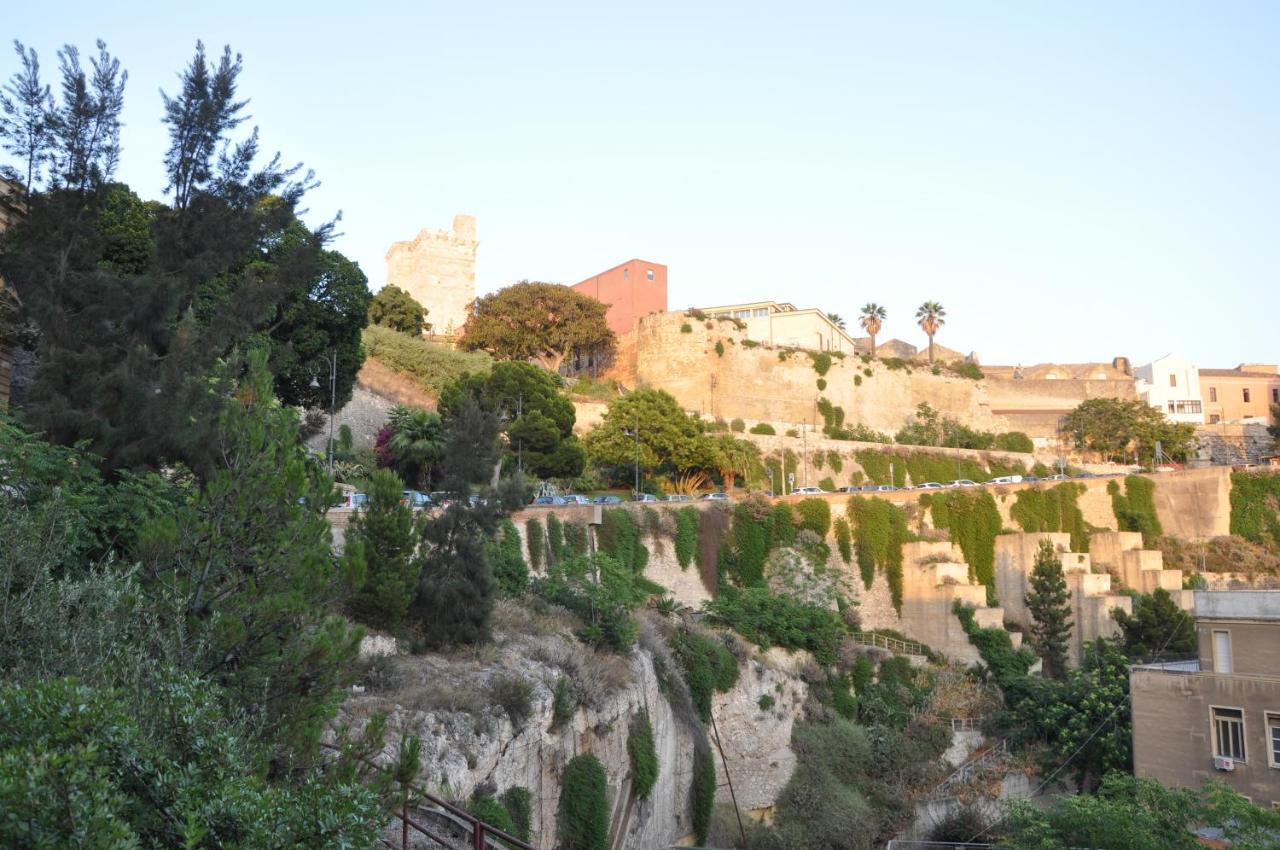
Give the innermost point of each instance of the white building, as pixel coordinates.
(1172, 384)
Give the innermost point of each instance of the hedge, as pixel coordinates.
(584, 805)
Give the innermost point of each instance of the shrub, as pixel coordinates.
(708, 668)
(834, 461)
(519, 805)
(514, 695)
(844, 539)
(765, 702)
(967, 370)
(719, 348)
(1014, 441)
(815, 515)
(537, 543)
(492, 812)
(702, 793)
(431, 365)
(643, 755)
(782, 526)
(737, 426)
(821, 361)
(563, 705)
(686, 535)
(1253, 514)
(822, 384)
(974, 521)
(619, 536)
(749, 343)
(857, 380)
(686, 328)
(509, 568)
(863, 673)
(792, 432)
(583, 817)
(767, 619)
(827, 483)
(1053, 509)
(763, 428)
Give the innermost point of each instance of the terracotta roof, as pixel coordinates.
(1234, 373)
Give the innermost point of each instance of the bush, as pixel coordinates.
(844, 539)
(765, 702)
(782, 526)
(643, 756)
(702, 792)
(967, 370)
(514, 695)
(583, 818)
(822, 384)
(767, 619)
(1014, 441)
(563, 705)
(686, 535)
(686, 328)
(763, 428)
(619, 536)
(492, 812)
(519, 805)
(708, 668)
(815, 515)
(1135, 510)
(431, 365)
(828, 484)
(1253, 513)
(719, 348)
(537, 543)
(821, 361)
(792, 432)
(509, 568)
(737, 426)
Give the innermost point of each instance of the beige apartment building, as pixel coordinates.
(780, 323)
(1243, 394)
(1217, 716)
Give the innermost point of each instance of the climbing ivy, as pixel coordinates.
(834, 461)
(880, 529)
(783, 526)
(974, 521)
(1254, 512)
(844, 539)
(751, 534)
(821, 361)
(537, 543)
(575, 539)
(1054, 509)
(815, 515)
(555, 538)
(686, 535)
(643, 755)
(1135, 509)
(702, 794)
(584, 805)
(619, 536)
(876, 466)
(708, 668)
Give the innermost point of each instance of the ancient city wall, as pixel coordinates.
(1034, 406)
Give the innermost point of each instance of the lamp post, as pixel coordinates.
(332, 361)
(635, 432)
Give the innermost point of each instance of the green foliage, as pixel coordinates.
(1121, 430)
(603, 593)
(1135, 509)
(876, 466)
(457, 591)
(686, 535)
(416, 447)
(828, 483)
(1094, 697)
(719, 348)
(555, 537)
(737, 426)
(763, 428)
(880, 529)
(1049, 603)
(782, 526)
(514, 695)
(821, 361)
(708, 667)
(1156, 628)
(844, 539)
(670, 440)
(834, 461)
(492, 812)
(519, 805)
(643, 756)
(822, 384)
(751, 536)
(544, 322)
(431, 365)
(1008, 666)
(394, 308)
(768, 619)
(106, 768)
(563, 705)
(1255, 515)
(385, 535)
(765, 702)
(575, 539)
(686, 328)
(619, 536)
(925, 466)
(509, 568)
(968, 370)
(973, 521)
(537, 543)
(583, 817)
(863, 673)
(1014, 441)
(702, 791)
(815, 515)
(1037, 509)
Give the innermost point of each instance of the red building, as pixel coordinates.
(633, 289)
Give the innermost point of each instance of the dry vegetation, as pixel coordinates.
(1220, 555)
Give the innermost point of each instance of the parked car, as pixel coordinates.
(679, 497)
(1086, 475)
(355, 500)
(929, 485)
(607, 500)
(415, 499)
(808, 491)
(882, 488)
(849, 489)
(1007, 479)
(715, 497)
(547, 501)
(645, 497)
(1058, 477)
(962, 482)
(1030, 479)
(575, 499)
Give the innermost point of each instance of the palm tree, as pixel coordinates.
(872, 320)
(930, 316)
(837, 320)
(417, 442)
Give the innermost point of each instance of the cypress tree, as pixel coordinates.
(384, 533)
(1050, 604)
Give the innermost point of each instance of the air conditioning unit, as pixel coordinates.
(1224, 763)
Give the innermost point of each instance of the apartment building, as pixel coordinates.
(1216, 716)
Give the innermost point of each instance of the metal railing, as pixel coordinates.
(966, 724)
(895, 645)
(967, 770)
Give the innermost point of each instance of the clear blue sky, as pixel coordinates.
(1072, 181)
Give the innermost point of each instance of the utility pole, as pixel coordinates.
(333, 403)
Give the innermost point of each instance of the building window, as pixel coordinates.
(1228, 733)
(1275, 396)
(1213, 393)
(1214, 419)
(742, 314)
(760, 311)
(1171, 407)
(649, 274)
(626, 274)
(1173, 380)
(1221, 651)
(1245, 391)
(1273, 739)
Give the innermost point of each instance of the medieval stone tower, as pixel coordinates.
(438, 268)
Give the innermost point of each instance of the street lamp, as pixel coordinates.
(332, 361)
(635, 433)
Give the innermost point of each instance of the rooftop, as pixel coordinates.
(1238, 604)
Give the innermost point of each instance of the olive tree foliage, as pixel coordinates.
(544, 322)
(393, 307)
(668, 437)
(1121, 430)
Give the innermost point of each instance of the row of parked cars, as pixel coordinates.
(412, 498)
(574, 499)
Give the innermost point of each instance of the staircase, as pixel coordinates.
(978, 762)
(1246, 449)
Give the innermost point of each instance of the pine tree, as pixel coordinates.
(25, 106)
(384, 533)
(1050, 604)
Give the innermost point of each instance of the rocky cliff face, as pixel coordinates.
(470, 742)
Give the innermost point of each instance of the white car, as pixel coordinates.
(962, 482)
(1006, 479)
(929, 485)
(808, 491)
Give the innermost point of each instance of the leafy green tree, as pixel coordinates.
(1157, 627)
(603, 592)
(669, 438)
(930, 316)
(536, 415)
(1049, 602)
(384, 535)
(472, 448)
(393, 307)
(417, 445)
(544, 322)
(1121, 430)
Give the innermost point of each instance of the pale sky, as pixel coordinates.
(1072, 181)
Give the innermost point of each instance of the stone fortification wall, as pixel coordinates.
(1035, 405)
(750, 381)
(438, 268)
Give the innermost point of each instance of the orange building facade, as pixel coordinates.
(630, 290)
(1243, 394)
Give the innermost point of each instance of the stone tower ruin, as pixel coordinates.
(438, 268)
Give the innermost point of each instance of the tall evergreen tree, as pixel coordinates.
(1050, 604)
(25, 107)
(84, 128)
(1157, 627)
(384, 535)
